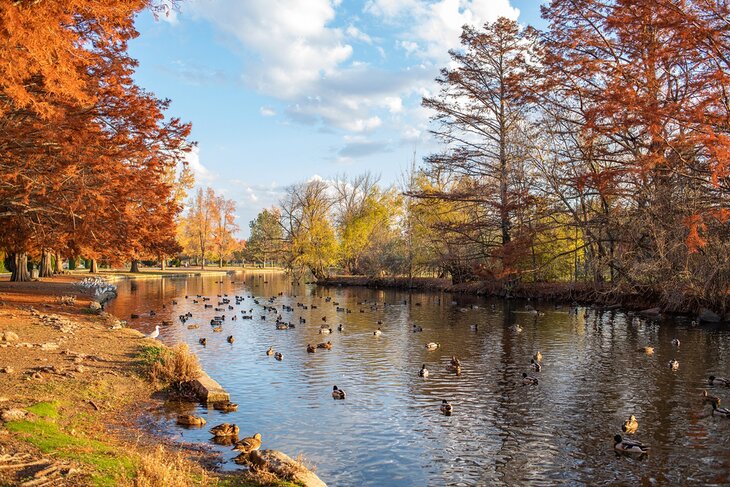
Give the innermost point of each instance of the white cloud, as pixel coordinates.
(193, 159)
(359, 35)
(267, 111)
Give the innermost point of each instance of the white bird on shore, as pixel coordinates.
(155, 333)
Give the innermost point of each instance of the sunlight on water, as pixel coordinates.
(389, 430)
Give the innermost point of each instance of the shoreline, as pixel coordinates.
(589, 294)
(75, 400)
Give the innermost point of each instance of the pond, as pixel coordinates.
(389, 431)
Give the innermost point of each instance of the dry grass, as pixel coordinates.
(170, 469)
(66, 300)
(175, 366)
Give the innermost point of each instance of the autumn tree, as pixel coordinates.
(224, 226)
(266, 241)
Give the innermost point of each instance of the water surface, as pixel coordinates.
(389, 431)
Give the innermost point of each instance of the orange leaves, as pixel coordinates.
(695, 225)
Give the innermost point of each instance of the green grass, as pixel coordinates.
(108, 463)
(150, 354)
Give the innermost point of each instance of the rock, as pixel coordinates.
(49, 346)
(95, 306)
(7, 370)
(651, 312)
(208, 390)
(284, 467)
(79, 368)
(8, 415)
(9, 336)
(708, 316)
(24, 345)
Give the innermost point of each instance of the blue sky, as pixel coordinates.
(280, 91)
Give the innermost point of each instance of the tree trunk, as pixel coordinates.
(46, 269)
(135, 266)
(94, 267)
(220, 262)
(71, 263)
(58, 264)
(163, 263)
(19, 263)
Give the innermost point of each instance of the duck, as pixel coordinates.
(516, 328)
(475, 327)
(536, 366)
(338, 393)
(446, 407)
(432, 346)
(537, 357)
(673, 364)
(224, 429)
(527, 380)
(218, 329)
(675, 342)
(279, 356)
(203, 341)
(721, 411)
(719, 380)
(647, 350)
(708, 398)
(378, 332)
(455, 362)
(190, 420)
(249, 444)
(340, 327)
(629, 446)
(630, 425)
(417, 328)
(155, 333)
(310, 348)
(230, 339)
(326, 346)
(225, 406)
(270, 351)
(423, 372)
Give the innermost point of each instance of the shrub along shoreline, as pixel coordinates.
(589, 294)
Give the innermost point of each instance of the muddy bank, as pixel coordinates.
(603, 295)
(75, 404)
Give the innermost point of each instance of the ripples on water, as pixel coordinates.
(389, 431)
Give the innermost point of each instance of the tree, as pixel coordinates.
(224, 224)
(266, 242)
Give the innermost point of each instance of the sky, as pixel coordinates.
(283, 91)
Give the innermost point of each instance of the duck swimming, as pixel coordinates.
(721, 411)
(446, 408)
(249, 444)
(630, 425)
(279, 356)
(538, 356)
(706, 398)
(224, 429)
(629, 446)
(673, 364)
(527, 380)
(270, 351)
(310, 348)
(377, 332)
(338, 393)
(675, 342)
(432, 346)
(230, 339)
(326, 346)
(536, 366)
(719, 381)
(423, 372)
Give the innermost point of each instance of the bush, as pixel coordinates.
(171, 366)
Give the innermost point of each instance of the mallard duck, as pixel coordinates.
(527, 380)
(455, 361)
(675, 342)
(538, 356)
(224, 429)
(536, 366)
(378, 332)
(279, 356)
(247, 445)
(416, 328)
(217, 329)
(225, 406)
(338, 393)
(190, 420)
(516, 328)
(340, 327)
(721, 411)
(719, 380)
(423, 372)
(325, 331)
(270, 351)
(629, 446)
(230, 339)
(310, 348)
(446, 407)
(630, 425)
(673, 364)
(432, 346)
(282, 326)
(708, 398)
(326, 346)
(647, 350)
(203, 341)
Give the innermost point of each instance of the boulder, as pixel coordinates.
(708, 316)
(284, 467)
(95, 306)
(651, 312)
(8, 415)
(9, 336)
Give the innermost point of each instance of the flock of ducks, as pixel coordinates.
(622, 444)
